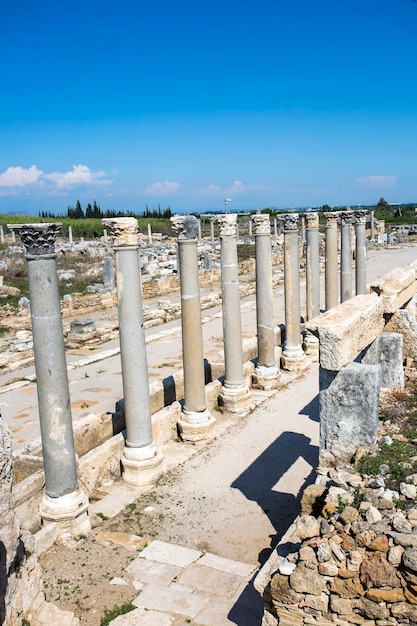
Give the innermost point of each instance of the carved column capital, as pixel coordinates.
(359, 216)
(38, 239)
(227, 224)
(290, 221)
(262, 224)
(185, 226)
(312, 220)
(123, 230)
(332, 218)
(346, 217)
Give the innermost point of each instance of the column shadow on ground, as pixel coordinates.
(257, 483)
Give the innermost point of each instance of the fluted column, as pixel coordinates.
(360, 251)
(64, 502)
(266, 372)
(311, 345)
(331, 264)
(346, 256)
(293, 357)
(141, 461)
(234, 396)
(196, 422)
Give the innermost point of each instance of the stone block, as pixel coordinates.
(347, 329)
(387, 352)
(348, 402)
(171, 599)
(403, 322)
(211, 581)
(171, 554)
(397, 287)
(100, 464)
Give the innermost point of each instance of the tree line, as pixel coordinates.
(93, 211)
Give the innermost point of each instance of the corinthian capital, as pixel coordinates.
(123, 230)
(185, 226)
(332, 218)
(290, 221)
(227, 224)
(359, 216)
(262, 225)
(346, 217)
(38, 239)
(312, 220)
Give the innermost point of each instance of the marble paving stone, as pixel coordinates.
(227, 565)
(171, 599)
(144, 618)
(215, 612)
(172, 555)
(209, 580)
(152, 572)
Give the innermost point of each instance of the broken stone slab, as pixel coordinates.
(82, 327)
(397, 287)
(404, 322)
(347, 329)
(349, 401)
(387, 352)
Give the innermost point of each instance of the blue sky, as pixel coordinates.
(284, 103)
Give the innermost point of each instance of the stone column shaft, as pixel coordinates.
(149, 235)
(141, 460)
(266, 371)
(331, 265)
(70, 234)
(311, 344)
(196, 422)
(63, 500)
(346, 256)
(235, 393)
(293, 357)
(360, 252)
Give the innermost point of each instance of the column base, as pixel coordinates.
(311, 346)
(141, 466)
(196, 425)
(235, 399)
(294, 360)
(70, 512)
(265, 377)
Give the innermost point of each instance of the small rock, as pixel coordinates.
(373, 515)
(400, 523)
(323, 553)
(286, 568)
(376, 483)
(385, 440)
(349, 515)
(307, 526)
(118, 581)
(408, 490)
(390, 495)
(395, 555)
(328, 569)
(307, 554)
(410, 559)
(379, 544)
(384, 469)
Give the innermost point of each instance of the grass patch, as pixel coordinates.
(393, 456)
(111, 614)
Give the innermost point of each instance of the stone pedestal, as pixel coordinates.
(266, 372)
(346, 218)
(360, 252)
(196, 422)
(331, 269)
(293, 357)
(234, 396)
(141, 461)
(64, 502)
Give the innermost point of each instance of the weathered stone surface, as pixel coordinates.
(403, 322)
(372, 610)
(379, 544)
(410, 559)
(349, 403)
(340, 605)
(395, 555)
(307, 526)
(385, 595)
(349, 515)
(281, 590)
(328, 569)
(319, 603)
(311, 498)
(377, 572)
(387, 352)
(402, 609)
(347, 588)
(347, 329)
(305, 580)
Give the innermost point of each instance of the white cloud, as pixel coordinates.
(19, 176)
(239, 187)
(79, 175)
(210, 189)
(377, 181)
(162, 189)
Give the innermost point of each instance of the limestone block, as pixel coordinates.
(348, 403)
(397, 287)
(387, 352)
(101, 464)
(403, 322)
(347, 329)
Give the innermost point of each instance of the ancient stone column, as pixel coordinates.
(372, 225)
(293, 357)
(141, 461)
(64, 502)
(13, 236)
(199, 229)
(275, 228)
(250, 228)
(331, 265)
(70, 241)
(149, 235)
(196, 422)
(266, 372)
(360, 251)
(1, 234)
(311, 344)
(234, 396)
(346, 256)
(212, 229)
